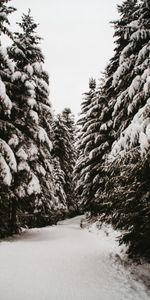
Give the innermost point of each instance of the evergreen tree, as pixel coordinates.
(31, 116)
(59, 179)
(8, 163)
(100, 128)
(85, 141)
(95, 142)
(127, 193)
(114, 184)
(64, 152)
(109, 92)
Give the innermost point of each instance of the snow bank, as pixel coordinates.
(65, 262)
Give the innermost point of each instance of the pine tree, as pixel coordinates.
(85, 141)
(127, 191)
(8, 163)
(59, 180)
(95, 140)
(64, 152)
(100, 129)
(115, 184)
(109, 93)
(32, 116)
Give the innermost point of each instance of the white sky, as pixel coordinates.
(78, 43)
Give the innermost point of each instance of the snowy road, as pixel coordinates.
(64, 262)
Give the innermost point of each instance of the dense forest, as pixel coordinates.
(37, 155)
(52, 168)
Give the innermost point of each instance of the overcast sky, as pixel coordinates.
(78, 43)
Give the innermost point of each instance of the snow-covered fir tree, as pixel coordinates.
(124, 27)
(118, 180)
(95, 140)
(59, 180)
(85, 139)
(8, 163)
(99, 128)
(127, 192)
(64, 152)
(32, 116)
(131, 150)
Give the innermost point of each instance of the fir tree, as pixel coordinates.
(64, 152)
(8, 163)
(85, 141)
(100, 131)
(94, 144)
(32, 116)
(127, 191)
(114, 184)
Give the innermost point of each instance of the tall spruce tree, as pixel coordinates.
(32, 116)
(64, 152)
(127, 191)
(100, 129)
(85, 140)
(8, 163)
(111, 91)
(118, 181)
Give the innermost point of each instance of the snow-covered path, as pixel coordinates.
(63, 262)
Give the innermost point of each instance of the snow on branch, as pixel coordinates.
(4, 99)
(5, 174)
(34, 185)
(6, 151)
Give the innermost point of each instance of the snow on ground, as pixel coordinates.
(65, 262)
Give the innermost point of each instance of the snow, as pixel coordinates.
(146, 74)
(135, 86)
(133, 24)
(4, 56)
(40, 169)
(13, 141)
(18, 51)
(29, 85)
(103, 127)
(144, 144)
(46, 108)
(134, 133)
(34, 116)
(29, 69)
(147, 86)
(31, 102)
(20, 191)
(143, 53)
(24, 77)
(23, 166)
(22, 154)
(31, 89)
(140, 34)
(37, 67)
(43, 137)
(66, 262)
(124, 52)
(119, 102)
(42, 83)
(16, 76)
(32, 152)
(34, 186)
(5, 173)
(5, 99)
(7, 152)
(2, 89)
(122, 69)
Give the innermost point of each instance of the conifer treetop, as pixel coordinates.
(4, 22)
(27, 40)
